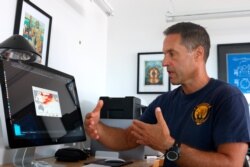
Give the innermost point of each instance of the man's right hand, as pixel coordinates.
(91, 122)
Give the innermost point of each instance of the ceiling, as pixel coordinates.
(201, 6)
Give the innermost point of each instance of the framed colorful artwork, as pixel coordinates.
(152, 77)
(34, 24)
(234, 66)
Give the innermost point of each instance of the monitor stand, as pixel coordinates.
(24, 157)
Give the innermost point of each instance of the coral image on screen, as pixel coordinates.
(46, 102)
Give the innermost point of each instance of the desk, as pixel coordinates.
(54, 163)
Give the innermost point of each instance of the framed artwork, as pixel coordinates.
(234, 66)
(152, 77)
(34, 25)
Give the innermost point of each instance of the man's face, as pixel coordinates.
(179, 61)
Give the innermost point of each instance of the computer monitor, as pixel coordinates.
(38, 106)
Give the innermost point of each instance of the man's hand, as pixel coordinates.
(92, 121)
(156, 136)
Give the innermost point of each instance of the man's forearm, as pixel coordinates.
(116, 138)
(190, 157)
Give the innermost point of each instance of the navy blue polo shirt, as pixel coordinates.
(217, 113)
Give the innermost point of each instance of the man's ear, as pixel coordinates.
(199, 53)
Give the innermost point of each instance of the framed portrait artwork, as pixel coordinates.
(234, 66)
(152, 77)
(34, 24)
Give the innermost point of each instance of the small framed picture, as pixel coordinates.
(35, 25)
(152, 77)
(234, 66)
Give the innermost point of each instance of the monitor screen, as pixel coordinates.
(38, 105)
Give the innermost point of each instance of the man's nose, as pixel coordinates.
(165, 61)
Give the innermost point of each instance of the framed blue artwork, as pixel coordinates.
(234, 66)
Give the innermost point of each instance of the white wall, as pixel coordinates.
(138, 25)
(74, 21)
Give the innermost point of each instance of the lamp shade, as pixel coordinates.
(17, 47)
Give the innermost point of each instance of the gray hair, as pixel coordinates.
(192, 36)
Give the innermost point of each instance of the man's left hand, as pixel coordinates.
(156, 136)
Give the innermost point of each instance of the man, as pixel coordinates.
(202, 123)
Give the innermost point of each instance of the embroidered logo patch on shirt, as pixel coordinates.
(201, 113)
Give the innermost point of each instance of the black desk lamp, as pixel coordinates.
(18, 48)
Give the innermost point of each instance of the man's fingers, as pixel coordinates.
(138, 129)
(159, 116)
(98, 106)
(139, 124)
(89, 115)
(92, 132)
(91, 121)
(94, 135)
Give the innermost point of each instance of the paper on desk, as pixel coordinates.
(95, 165)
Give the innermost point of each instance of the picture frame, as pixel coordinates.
(234, 66)
(152, 77)
(34, 24)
